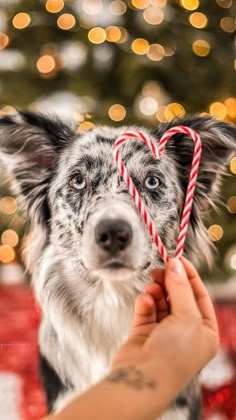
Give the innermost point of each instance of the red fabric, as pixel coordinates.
(19, 321)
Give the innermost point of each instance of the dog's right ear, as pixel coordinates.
(30, 145)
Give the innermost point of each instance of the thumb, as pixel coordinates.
(179, 289)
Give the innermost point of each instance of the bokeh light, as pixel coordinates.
(54, 6)
(153, 15)
(215, 232)
(117, 112)
(92, 7)
(97, 35)
(231, 204)
(201, 47)
(218, 109)
(7, 254)
(10, 237)
(230, 104)
(226, 4)
(66, 21)
(117, 7)
(4, 40)
(113, 34)
(198, 20)
(156, 52)
(228, 24)
(148, 105)
(173, 110)
(46, 64)
(233, 165)
(8, 205)
(21, 20)
(140, 46)
(86, 125)
(190, 4)
(140, 4)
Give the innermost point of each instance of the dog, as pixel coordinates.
(89, 250)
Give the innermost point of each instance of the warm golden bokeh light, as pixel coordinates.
(231, 204)
(117, 8)
(232, 166)
(4, 40)
(215, 232)
(10, 237)
(21, 20)
(7, 254)
(158, 3)
(160, 114)
(46, 64)
(117, 112)
(54, 6)
(140, 46)
(230, 104)
(66, 21)
(156, 52)
(226, 4)
(228, 24)
(217, 109)
(190, 4)
(201, 47)
(153, 15)
(140, 4)
(86, 125)
(113, 34)
(97, 35)
(173, 110)
(124, 36)
(8, 205)
(198, 20)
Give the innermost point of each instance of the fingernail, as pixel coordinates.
(176, 266)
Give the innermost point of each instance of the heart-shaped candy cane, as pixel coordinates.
(157, 150)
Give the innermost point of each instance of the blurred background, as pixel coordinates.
(119, 62)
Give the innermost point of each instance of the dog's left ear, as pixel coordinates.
(218, 145)
(30, 145)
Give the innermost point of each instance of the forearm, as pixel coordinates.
(139, 392)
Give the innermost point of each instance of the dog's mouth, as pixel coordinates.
(114, 264)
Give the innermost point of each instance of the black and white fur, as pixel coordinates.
(86, 291)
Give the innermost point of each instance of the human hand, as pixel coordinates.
(174, 322)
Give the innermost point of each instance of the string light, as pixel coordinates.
(153, 15)
(4, 40)
(140, 4)
(21, 20)
(230, 104)
(54, 6)
(231, 204)
(233, 165)
(218, 109)
(173, 110)
(189, 4)
(66, 21)
(198, 20)
(113, 34)
(140, 46)
(156, 52)
(215, 232)
(228, 24)
(201, 47)
(117, 112)
(117, 8)
(10, 237)
(46, 64)
(97, 35)
(8, 205)
(7, 254)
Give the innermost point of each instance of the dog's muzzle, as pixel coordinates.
(113, 235)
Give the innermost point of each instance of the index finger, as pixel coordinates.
(202, 297)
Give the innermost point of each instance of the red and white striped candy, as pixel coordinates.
(157, 150)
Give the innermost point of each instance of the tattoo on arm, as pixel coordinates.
(132, 377)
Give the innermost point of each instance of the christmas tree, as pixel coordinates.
(117, 62)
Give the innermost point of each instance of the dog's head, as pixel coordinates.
(70, 187)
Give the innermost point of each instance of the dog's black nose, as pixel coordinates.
(113, 235)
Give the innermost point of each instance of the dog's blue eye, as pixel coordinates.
(152, 182)
(78, 182)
